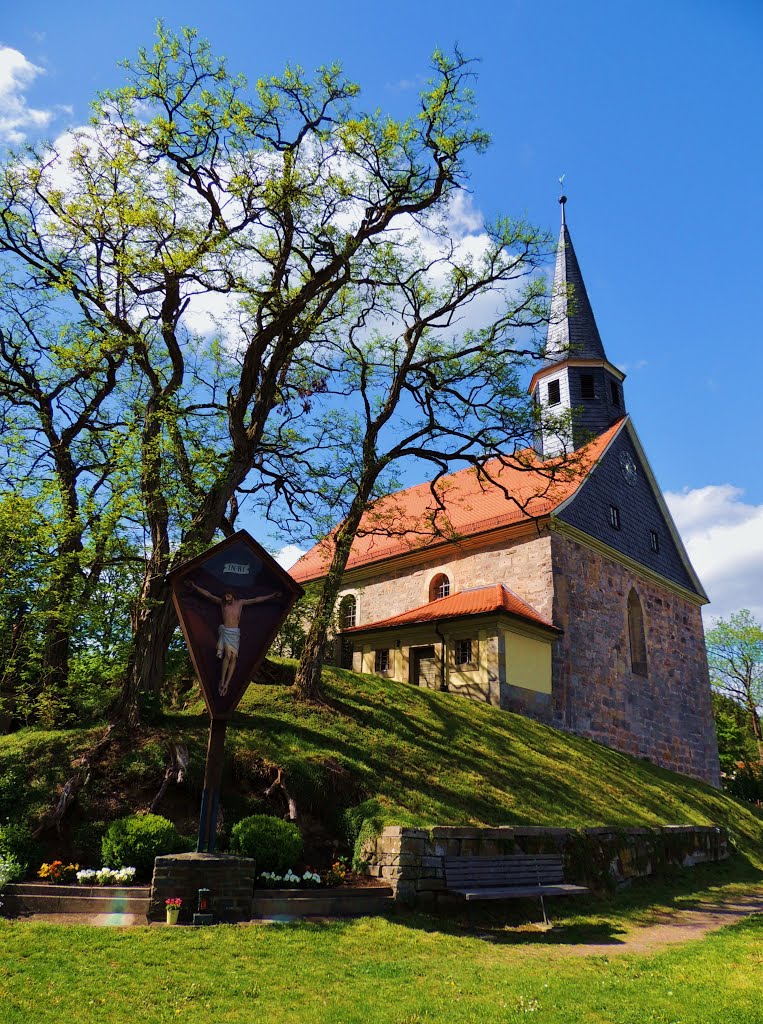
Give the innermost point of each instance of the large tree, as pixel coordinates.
(187, 187)
(431, 376)
(63, 438)
(735, 657)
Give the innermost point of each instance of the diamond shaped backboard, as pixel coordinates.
(238, 586)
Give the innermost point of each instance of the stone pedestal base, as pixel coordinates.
(229, 879)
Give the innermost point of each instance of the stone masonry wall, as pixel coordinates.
(230, 881)
(412, 860)
(524, 565)
(665, 716)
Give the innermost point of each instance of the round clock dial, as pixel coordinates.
(628, 467)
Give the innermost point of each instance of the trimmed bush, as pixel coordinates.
(136, 840)
(274, 844)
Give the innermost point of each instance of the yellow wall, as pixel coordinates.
(528, 662)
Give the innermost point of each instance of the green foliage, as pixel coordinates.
(136, 840)
(10, 871)
(736, 742)
(746, 783)
(87, 842)
(275, 844)
(16, 843)
(360, 825)
(14, 790)
(735, 657)
(290, 640)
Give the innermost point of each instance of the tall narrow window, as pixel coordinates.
(614, 390)
(439, 587)
(636, 634)
(614, 517)
(587, 390)
(554, 393)
(654, 540)
(348, 612)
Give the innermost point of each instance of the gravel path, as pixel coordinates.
(677, 927)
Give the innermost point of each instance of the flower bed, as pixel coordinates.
(106, 876)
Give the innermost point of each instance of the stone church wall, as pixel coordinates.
(665, 716)
(523, 564)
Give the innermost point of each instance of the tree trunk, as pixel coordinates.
(756, 730)
(307, 684)
(153, 623)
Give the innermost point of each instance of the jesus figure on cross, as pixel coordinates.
(229, 631)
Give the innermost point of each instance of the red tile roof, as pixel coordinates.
(409, 520)
(481, 601)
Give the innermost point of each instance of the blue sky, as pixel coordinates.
(651, 109)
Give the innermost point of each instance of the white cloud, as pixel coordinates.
(724, 537)
(16, 116)
(288, 555)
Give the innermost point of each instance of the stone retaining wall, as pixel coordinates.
(229, 879)
(412, 860)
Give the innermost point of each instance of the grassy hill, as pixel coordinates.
(396, 753)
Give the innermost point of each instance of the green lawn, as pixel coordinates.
(401, 971)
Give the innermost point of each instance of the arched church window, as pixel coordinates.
(636, 634)
(439, 587)
(348, 611)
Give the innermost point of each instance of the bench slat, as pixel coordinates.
(520, 891)
(510, 877)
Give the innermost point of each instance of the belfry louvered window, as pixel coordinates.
(554, 392)
(587, 389)
(614, 390)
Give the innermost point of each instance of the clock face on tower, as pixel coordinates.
(628, 467)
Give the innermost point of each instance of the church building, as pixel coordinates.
(577, 604)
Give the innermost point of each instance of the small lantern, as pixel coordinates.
(204, 901)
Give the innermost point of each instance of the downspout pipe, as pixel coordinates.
(443, 685)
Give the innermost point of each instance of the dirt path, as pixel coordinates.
(678, 927)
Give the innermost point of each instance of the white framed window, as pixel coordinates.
(464, 652)
(348, 612)
(439, 587)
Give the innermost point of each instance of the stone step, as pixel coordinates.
(70, 899)
(276, 903)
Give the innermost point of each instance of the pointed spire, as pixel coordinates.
(572, 332)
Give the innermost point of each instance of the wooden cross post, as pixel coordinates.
(210, 798)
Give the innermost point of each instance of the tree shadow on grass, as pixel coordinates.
(513, 928)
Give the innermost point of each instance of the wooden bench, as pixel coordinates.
(506, 878)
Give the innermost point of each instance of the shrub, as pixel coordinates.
(16, 844)
(273, 843)
(746, 783)
(138, 839)
(360, 825)
(10, 871)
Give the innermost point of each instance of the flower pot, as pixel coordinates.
(172, 915)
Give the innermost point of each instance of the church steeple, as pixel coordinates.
(576, 374)
(572, 330)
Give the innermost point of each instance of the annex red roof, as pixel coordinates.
(481, 601)
(410, 520)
